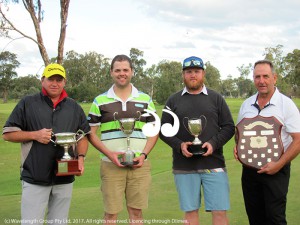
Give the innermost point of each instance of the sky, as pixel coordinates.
(228, 33)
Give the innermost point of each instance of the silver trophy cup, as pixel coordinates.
(67, 165)
(195, 127)
(127, 127)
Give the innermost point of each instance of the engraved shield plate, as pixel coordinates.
(258, 141)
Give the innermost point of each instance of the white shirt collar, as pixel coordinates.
(274, 99)
(204, 91)
(134, 93)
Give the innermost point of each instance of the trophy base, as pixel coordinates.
(67, 168)
(197, 149)
(130, 163)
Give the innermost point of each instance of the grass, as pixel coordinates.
(163, 202)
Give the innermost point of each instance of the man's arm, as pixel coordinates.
(151, 141)
(98, 144)
(43, 136)
(226, 125)
(82, 147)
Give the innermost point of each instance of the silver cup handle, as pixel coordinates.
(139, 115)
(183, 121)
(80, 134)
(52, 135)
(203, 127)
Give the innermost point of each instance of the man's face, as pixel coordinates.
(264, 79)
(121, 73)
(193, 79)
(54, 85)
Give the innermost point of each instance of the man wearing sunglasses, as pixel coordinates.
(191, 171)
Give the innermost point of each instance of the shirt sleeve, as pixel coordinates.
(94, 116)
(16, 120)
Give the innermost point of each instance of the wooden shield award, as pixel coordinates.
(258, 141)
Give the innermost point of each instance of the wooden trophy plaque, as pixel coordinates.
(258, 141)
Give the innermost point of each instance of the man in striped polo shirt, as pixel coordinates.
(122, 100)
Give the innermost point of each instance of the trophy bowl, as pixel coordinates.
(127, 125)
(66, 140)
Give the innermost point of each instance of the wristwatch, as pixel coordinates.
(81, 155)
(143, 153)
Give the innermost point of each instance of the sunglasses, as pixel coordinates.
(193, 62)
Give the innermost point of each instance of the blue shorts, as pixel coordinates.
(215, 188)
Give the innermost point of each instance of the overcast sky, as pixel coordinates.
(227, 33)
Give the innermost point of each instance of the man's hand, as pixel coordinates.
(184, 149)
(235, 153)
(140, 159)
(209, 149)
(81, 165)
(270, 168)
(114, 157)
(43, 136)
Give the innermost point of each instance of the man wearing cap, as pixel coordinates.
(192, 169)
(32, 123)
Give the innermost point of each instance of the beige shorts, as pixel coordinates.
(117, 183)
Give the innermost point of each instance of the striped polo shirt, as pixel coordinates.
(107, 109)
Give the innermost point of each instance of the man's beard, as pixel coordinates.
(194, 86)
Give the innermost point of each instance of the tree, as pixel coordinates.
(212, 77)
(245, 85)
(275, 56)
(151, 79)
(87, 75)
(228, 87)
(8, 65)
(281, 66)
(169, 80)
(25, 86)
(34, 8)
(139, 78)
(293, 70)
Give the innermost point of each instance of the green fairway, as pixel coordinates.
(163, 208)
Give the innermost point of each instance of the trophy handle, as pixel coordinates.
(52, 135)
(114, 115)
(202, 116)
(115, 119)
(183, 120)
(139, 115)
(80, 134)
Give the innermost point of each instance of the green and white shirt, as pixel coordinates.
(107, 108)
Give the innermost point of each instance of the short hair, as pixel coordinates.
(265, 61)
(120, 58)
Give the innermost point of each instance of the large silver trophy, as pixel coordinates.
(67, 165)
(195, 126)
(127, 127)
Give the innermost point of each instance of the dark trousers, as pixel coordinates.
(265, 196)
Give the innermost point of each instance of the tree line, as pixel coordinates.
(89, 75)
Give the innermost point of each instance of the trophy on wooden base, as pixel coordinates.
(67, 165)
(195, 128)
(127, 127)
